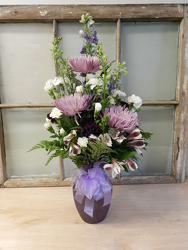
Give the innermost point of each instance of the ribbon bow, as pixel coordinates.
(93, 184)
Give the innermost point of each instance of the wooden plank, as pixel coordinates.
(48, 182)
(36, 182)
(118, 39)
(182, 119)
(177, 109)
(46, 105)
(47, 13)
(2, 154)
(26, 105)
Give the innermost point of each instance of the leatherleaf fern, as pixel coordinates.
(95, 151)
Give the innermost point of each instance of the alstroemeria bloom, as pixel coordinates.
(121, 118)
(115, 167)
(84, 64)
(135, 135)
(137, 143)
(131, 164)
(115, 135)
(56, 113)
(74, 150)
(69, 137)
(105, 139)
(136, 100)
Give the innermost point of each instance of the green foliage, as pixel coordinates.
(95, 151)
(146, 135)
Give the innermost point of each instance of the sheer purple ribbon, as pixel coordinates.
(93, 184)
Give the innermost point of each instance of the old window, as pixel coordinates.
(152, 39)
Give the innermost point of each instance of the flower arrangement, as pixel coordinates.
(91, 121)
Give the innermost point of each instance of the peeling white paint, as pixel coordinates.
(43, 13)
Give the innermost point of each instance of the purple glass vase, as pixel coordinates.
(99, 208)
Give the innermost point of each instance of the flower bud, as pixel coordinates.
(98, 106)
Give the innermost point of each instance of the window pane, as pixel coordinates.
(71, 43)
(22, 130)
(150, 51)
(158, 156)
(26, 62)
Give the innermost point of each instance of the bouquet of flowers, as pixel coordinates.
(91, 120)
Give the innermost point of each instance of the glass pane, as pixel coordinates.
(22, 130)
(26, 62)
(150, 51)
(158, 156)
(71, 45)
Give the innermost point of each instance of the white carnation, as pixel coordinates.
(98, 106)
(82, 141)
(136, 100)
(57, 81)
(61, 131)
(49, 85)
(47, 125)
(93, 82)
(118, 92)
(56, 113)
(79, 89)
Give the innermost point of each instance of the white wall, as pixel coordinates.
(15, 2)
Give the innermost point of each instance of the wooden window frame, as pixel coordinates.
(116, 13)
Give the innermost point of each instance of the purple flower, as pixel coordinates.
(83, 51)
(121, 118)
(84, 64)
(71, 105)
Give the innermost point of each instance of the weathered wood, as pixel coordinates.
(177, 109)
(159, 103)
(35, 182)
(26, 105)
(47, 13)
(46, 105)
(2, 154)
(48, 182)
(182, 126)
(118, 41)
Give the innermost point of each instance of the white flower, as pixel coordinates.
(82, 141)
(118, 92)
(92, 137)
(47, 125)
(48, 120)
(93, 82)
(115, 135)
(61, 131)
(49, 85)
(136, 100)
(79, 89)
(69, 137)
(57, 81)
(74, 150)
(115, 167)
(56, 113)
(81, 32)
(98, 106)
(105, 139)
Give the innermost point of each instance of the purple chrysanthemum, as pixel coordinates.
(121, 118)
(71, 105)
(84, 64)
